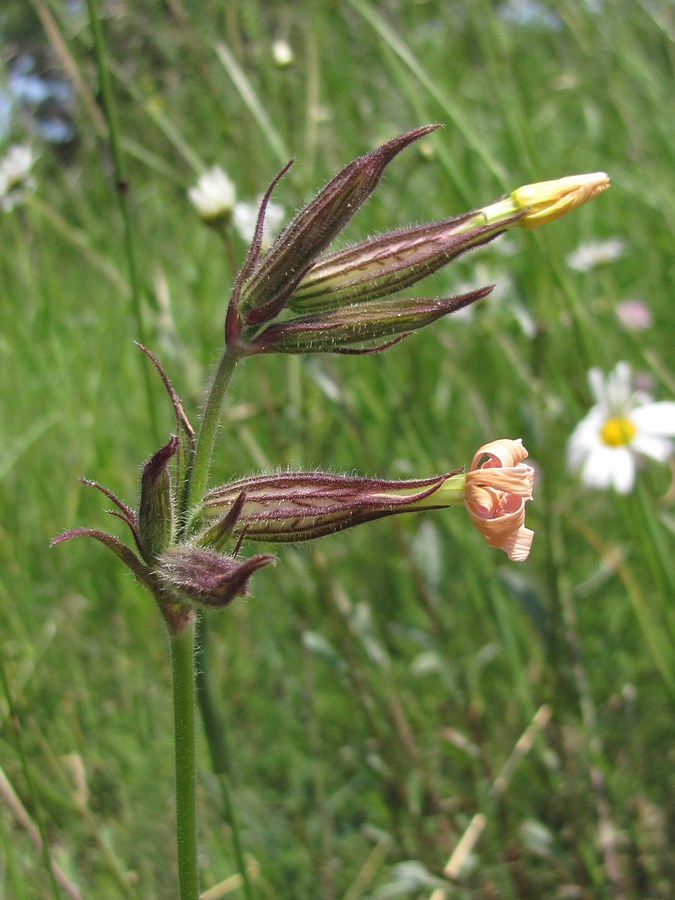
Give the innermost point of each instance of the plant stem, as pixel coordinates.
(208, 426)
(221, 762)
(182, 675)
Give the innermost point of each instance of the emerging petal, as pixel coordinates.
(547, 200)
(497, 488)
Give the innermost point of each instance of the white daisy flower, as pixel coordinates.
(245, 217)
(213, 196)
(623, 424)
(595, 253)
(15, 176)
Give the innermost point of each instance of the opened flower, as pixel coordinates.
(213, 196)
(622, 425)
(498, 485)
(300, 506)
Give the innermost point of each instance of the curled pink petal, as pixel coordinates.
(497, 488)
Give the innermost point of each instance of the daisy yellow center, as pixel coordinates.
(617, 431)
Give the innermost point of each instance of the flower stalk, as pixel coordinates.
(197, 479)
(182, 682)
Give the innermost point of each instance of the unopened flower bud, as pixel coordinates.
(269, 280)
(205, 577)
(16, 180)
(155, 509)
(392, 261)
(282, 54)
(363, 327)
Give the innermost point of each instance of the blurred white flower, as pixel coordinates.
(15, 176)
(213, 196)
(622, 424)
(595, 253)
(245, 217)
(634, 315)
(282, 53)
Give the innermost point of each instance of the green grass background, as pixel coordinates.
(375, 683)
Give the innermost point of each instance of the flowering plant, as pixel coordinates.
(294, 297)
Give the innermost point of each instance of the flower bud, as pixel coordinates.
(392, 261)
(358, 327)
(205, 577)
(547, 200)
(299, 506)
(16, 181)
(155, 509)
(282, 54)
(271, 279)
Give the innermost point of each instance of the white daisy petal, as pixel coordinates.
(596, 383)
(623, 470)
(658, 448)
(586, 437)
(596, 470)
(619, 387)
(595, 253)
(246, 215)
(655, 418)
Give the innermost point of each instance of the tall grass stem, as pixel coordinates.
(42, 834)
(122, 194)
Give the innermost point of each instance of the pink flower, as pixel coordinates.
(497, 486)
(634, 315)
